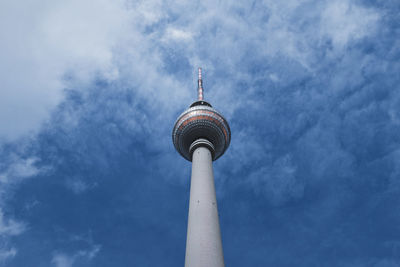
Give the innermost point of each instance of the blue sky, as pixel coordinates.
(90, 93)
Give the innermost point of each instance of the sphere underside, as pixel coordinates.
(201, 121)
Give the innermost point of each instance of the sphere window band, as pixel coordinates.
(202, 117)
(183, 121)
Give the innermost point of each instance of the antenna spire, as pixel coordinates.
(200, 86)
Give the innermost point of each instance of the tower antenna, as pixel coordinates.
(200, 86)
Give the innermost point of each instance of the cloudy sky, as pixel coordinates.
(89, 94)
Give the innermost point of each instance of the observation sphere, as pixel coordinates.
(201, 121)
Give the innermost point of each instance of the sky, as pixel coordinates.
(90, 92)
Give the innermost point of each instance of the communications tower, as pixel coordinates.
(201, 135)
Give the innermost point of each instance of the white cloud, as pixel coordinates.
(89, 254)
(7, 253)
(174, 34)
(79, 185)
(19, 169)
(62, 260)
(342, 21)
(16, 171)
(42, 42)
(118, 40)
(65, 260)
(274, 77)
(9, 227)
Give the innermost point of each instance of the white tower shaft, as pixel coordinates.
(203, 244)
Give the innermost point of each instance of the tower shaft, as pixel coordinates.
(203, 244)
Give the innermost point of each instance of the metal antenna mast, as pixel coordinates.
(200, 86)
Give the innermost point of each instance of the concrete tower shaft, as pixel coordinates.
(203, 242)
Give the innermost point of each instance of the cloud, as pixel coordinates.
(307, 87)
(173, 34)
(131, 50)
(10, 227)
(78, 185)
(344, 21)
(13, 171)
(60, 42)
(18, 169)
(65, 260)
(6, 254)
(62, 260)
(53, 43)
